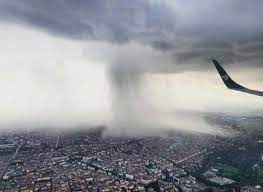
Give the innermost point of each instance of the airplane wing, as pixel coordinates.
(232, 84)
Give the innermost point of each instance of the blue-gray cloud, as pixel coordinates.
(191, 31)
(115, 21)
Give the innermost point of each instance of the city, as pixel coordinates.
(86, 160)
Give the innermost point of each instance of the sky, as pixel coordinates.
(133, 63)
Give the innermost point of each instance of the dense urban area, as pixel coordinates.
(88, 160)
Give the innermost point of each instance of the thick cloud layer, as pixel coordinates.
(116, 21)
(192, 31)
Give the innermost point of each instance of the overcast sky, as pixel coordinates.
(70, 62)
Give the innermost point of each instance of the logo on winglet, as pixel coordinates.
(225, 77)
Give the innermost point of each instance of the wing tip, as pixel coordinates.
(229, 83)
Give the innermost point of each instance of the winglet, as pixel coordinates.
(232, 84)
(226, 78)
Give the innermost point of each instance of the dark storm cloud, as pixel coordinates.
(116, 21)
(192, 32)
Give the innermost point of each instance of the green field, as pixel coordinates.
(245, 174)
(253, 127)
(227, 171)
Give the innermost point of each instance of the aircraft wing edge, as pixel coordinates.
(231, 84)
